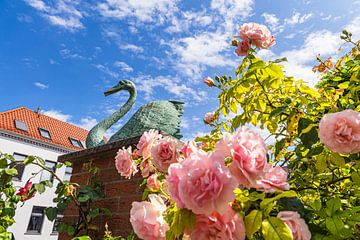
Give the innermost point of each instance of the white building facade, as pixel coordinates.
(30, 220)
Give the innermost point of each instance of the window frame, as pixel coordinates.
(16, 121)
(42, 215)
(45, 130)
(51, 176)
(17, 177)
(57, 221)
(68, 173)
(77, 141)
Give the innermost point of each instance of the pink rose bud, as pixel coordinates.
(153, 183)
(297, 225)
(146, 168)
(208, 81)
(209, 117)
(340, 131)
(147, 218)
(243, 48)
(124, 163)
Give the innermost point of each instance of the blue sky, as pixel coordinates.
(62, 54)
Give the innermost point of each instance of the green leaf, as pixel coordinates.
(40, 187)
(84, 198)
(332, 206)
(334, 224)
(253, 222)
(82, 238)
(11, 171)
(94, 212)
(337, 160)
(51, 213)
(355, 176)
(29, 160)
(308, 137)
(3, 163)
(275, 229)
(286, 194)
(344, 85)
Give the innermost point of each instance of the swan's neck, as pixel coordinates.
(113, 118)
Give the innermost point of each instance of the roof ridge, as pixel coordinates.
(13, 109)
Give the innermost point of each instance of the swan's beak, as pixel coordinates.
(111, 91)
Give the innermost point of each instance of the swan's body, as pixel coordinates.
(161, 115)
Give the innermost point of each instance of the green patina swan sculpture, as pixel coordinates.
(161, 115)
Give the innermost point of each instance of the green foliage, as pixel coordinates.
(178, 220)
(325, 185)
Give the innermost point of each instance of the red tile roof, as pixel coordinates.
(60, 131)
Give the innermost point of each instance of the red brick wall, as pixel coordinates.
(119, 192)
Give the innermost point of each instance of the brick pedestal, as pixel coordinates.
(119, 192)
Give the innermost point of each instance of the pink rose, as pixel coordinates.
(258, 34)
(243, 48)
(147, 218)
(189, 148)
(248, 157)
(208, 81)
(297, 225)
(216, 226)
(201, 183)
(209, 117)
(224, 146)
(164, 153)
(146, 168)
(340, 131)
(274, 179)
(146, 142)
(124, 163)
(153, 183)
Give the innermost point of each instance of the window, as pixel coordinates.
(45, 175)
(21, 125)
(44, 133)
(58, 219)
(36, 220)
(75, 142)
(68, 171)
(19, 167)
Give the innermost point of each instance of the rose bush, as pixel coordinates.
(231, 185)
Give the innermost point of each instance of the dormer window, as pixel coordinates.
(44, 133)
(76, 143)
(21, 125)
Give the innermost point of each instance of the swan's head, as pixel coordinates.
(122, 85)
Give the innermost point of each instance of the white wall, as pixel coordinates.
(23, 213)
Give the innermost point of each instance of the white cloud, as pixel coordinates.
(354, 28)
(130, 47)
(297, 18)
(57, 114)
(172, 85)
(189, 19)
(200, 51)
(233, 8)
(67, 53)
(87, 123)
(62, 13)
(123, 66)
(40, 85)
(271, 19)
(106, 70)
(144, 11)
(184, 123)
